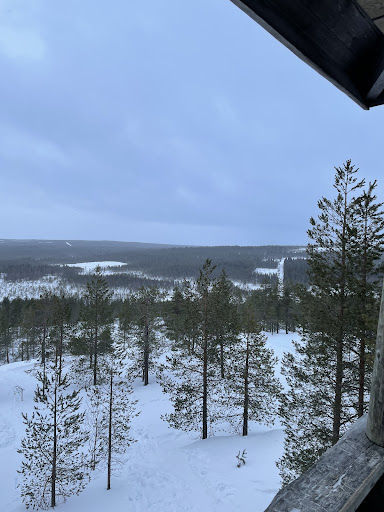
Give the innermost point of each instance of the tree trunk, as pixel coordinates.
(246, 391)
(222, 358)
(61, 350)
(110, 431)
(54, 453)
(95, 356)
(340, 340)
(146, 353)
(338, 389)
(205, 370)
(362, 362)
(360, 408)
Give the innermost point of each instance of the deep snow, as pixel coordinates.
(166, 470)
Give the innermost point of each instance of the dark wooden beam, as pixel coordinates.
(377, 81)
(341, 479)
(335, 37)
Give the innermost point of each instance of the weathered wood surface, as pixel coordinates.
(339, 481)
(335, 37)
(375, 424)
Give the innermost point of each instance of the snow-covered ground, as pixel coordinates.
(33, 289)
(278, 271)
(90, 266)
(167, 470)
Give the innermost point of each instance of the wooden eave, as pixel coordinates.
(336, 37)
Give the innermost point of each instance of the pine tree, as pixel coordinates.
(224, 317)
(175, 316)
(109, 417)
(97, 318)
(60, 330)
(330, 274)
(327, 373)
(195, 375)
(367, 247)
(251, 391)
(54, 466)
(125, 319)
(144, 344)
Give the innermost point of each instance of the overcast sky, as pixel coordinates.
(166, 121)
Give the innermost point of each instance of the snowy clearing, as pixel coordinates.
(166, 470)
(33, 289)
(90, 266)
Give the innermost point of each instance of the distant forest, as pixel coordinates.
(148, 264)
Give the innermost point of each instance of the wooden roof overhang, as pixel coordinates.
(338, 38)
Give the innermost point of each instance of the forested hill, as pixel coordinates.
(25, 259)
(68, 251)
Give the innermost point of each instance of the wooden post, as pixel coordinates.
(375, 423)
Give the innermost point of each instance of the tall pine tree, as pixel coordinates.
(325, 372)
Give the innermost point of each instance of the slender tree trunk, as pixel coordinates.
(246, 391)
(222, 358)
(146, 353)
(362, 362)
(360, 409)
(110, 431)
(338, 392)
(43, 346)
(95, 343)
(54, 453)
(91, 350)
(205, 370)
(61, 351)
(93, 453)
(340, 339)
(43, 357)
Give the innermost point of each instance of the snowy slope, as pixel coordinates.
(166, 470)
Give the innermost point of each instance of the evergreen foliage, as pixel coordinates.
(96, 315)
(192, 388)
(328, 375)
(251, 390)
(54, 466)
(143, 344)
(224, 377)
(109, 418)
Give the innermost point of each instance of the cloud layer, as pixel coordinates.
(165, 122)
